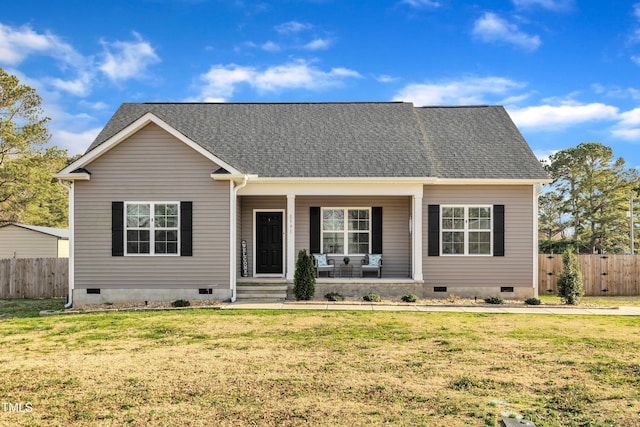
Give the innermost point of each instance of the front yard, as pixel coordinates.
(211, 367)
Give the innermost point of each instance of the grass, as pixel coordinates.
(271, 368)
(606, 301)
(23, 307)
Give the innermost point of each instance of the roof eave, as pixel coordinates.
(73, 176)
(492, 181)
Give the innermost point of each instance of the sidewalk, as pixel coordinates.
(541, 309)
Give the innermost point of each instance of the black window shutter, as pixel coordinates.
(117, 228)
(498, 230)
(186, 229)
(314, 230)
(433, 230)
(376, 230)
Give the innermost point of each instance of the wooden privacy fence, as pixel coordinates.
(34, 277)
(601, 274)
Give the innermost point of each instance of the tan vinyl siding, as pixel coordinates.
(248, 205)
(514, 269)
(20, 242)
(396, 241)
(151, 166)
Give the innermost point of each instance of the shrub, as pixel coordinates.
(409, 298)
(493, 300)
(181, 303)
(570, 288)
(334, 296)
(371, 297)
(304, 279)
(532, 301)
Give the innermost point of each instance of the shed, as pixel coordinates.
(31, 241)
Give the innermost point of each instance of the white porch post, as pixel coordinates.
(291, 235)
(417, 237)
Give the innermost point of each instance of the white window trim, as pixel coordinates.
(345, 230)
(466, 230)
(152, 246)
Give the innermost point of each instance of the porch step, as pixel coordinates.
(256, 291)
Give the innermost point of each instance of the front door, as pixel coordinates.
(269, 243)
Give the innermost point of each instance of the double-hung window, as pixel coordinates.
(466, 230)
(152, 228)
(346, 230)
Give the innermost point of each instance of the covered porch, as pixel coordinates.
(274, 220)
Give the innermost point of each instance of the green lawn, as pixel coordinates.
(272, 368)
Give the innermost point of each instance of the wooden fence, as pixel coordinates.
(34, 277)
(601, 274)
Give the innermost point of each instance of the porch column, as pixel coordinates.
(416, 237)
(291, 236)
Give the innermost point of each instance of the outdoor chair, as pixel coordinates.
(321, 263)
(372, 262)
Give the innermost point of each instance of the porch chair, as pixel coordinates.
(321, 263)
(372, 262)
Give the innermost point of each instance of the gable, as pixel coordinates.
(77, 169)
(153, 154)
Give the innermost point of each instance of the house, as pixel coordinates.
(31, 241)
(214, 200)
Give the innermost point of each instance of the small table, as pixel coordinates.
(346, 270)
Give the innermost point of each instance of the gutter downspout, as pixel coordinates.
(69, 188)
(234, 233)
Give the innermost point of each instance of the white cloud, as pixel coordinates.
(419, 4)
(385, 78)
(318, 44)
(491, 28)
(559, 116)
(221, 81)
(467, 91)
(293, 27)
(74, 142)
(628, 127)
(18, 43)
(270, 46)
(127, 60)
(555, 5)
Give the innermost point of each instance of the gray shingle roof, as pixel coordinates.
(387, 139)
(477, 142)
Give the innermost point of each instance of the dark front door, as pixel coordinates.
(269, 242)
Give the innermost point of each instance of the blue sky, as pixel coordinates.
(566, 70)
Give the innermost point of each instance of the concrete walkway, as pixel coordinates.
(498, 309)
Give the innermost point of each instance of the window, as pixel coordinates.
(152, 228)
(346, 231)
(466, 230)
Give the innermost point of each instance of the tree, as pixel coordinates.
(304, 279)
(28, 192)
(595, 190)
(570, 287)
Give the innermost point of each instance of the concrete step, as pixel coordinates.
(261, 292)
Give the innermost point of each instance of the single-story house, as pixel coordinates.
(214, 200)
(32, 241)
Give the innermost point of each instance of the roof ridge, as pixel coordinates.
(273, 103)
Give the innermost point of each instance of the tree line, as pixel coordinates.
(588, 206)
(28, 192)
